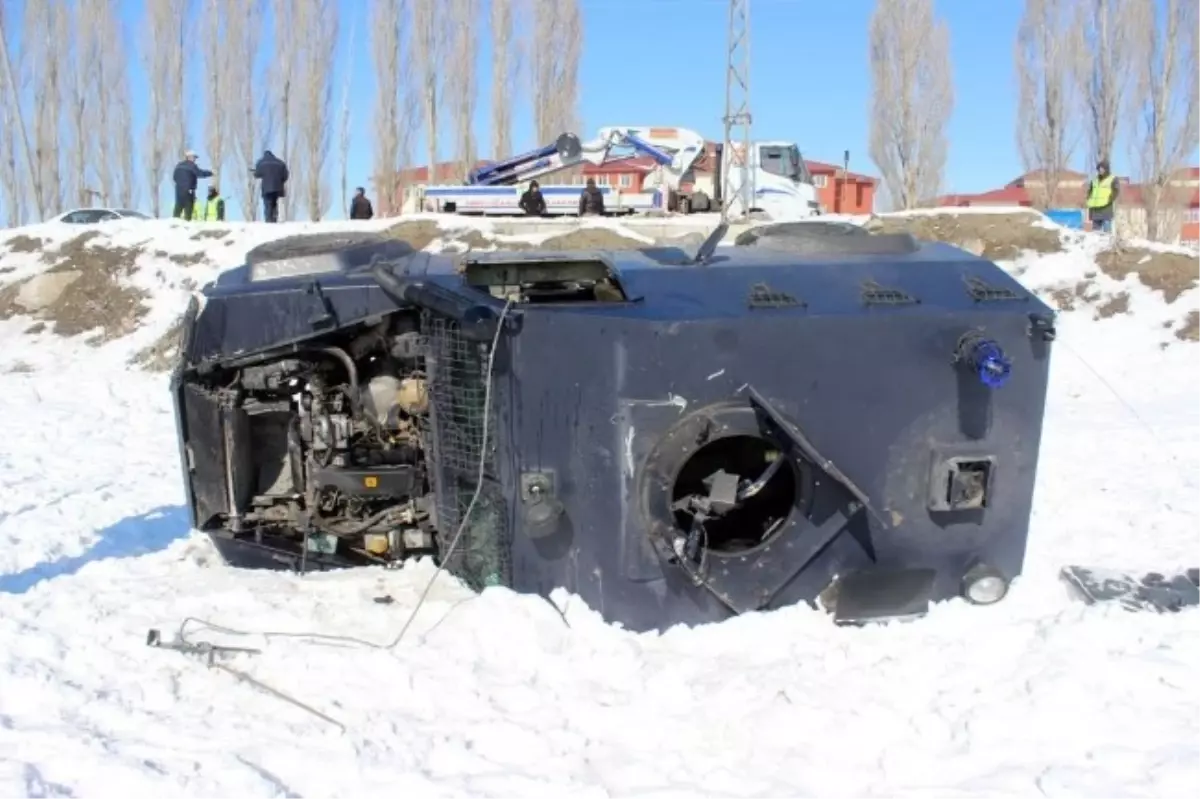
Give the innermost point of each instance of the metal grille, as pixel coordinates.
(763, 296)
(981, 291)
(456, 370)
(875, 294)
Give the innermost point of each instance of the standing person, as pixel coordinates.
(187, 177)
(273, 173)
(1102, 197)
(212, 209)
(591, 200)
(532, 202)
(360, 206)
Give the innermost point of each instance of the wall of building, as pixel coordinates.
(838, 196)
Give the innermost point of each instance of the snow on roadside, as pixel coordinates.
(493, 695)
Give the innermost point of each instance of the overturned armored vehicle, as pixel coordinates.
(812, 415)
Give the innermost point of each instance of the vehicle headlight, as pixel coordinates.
(983, 585)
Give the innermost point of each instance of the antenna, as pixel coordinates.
(738, 158)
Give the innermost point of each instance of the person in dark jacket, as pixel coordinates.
(1102, 197)
(273, 173)
(360, 206)
(187, 177)
(532, 202)
(591, 201)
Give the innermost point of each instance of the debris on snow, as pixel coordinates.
(998, 235)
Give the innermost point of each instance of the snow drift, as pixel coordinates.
(501, 695)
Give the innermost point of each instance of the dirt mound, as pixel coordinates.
(82, 291)
(597, 238)
(1000, 236)
(21, 243)
(160, 356)
(1190, 329)
(1172, 273)
(419, 233)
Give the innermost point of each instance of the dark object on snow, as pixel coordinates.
(360, 206)
(1155, 592)
(187, 176)
(743, 429)
(532, 201)
(591, 200)
(272, 173)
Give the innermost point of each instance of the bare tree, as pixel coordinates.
(317, 25)
(506, 63)
(160, 141)
(218, 99)
(178, 134)
(554, 66)
(245, 81)
(1046, 51)
(1104, 67)
(285, 105)
(568, 66)
(912, 98)
(81, 56)
(110, 115)
(387, 38)
(345, 131)
(461, 87)
(12, 166)
(429, 45)
(1165, 106)
(397, 101)
(43, 41)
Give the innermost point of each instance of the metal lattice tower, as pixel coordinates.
(737, 188)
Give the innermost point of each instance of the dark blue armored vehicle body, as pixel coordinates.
(833, 418)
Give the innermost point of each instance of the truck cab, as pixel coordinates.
(781, 184)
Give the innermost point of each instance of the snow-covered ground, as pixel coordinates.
(494, 695)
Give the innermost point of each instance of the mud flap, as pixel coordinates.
(1154, 592)
(879, 595)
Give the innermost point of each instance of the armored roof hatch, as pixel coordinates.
(544, 278)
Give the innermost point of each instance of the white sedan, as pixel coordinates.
(91, 216)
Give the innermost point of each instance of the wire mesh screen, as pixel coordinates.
(456, 370)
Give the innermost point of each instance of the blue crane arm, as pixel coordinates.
(511, 170)
(567, 151)
(643, 147)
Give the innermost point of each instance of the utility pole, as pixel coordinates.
(738, 181)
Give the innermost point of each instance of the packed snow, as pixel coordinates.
(506, 695)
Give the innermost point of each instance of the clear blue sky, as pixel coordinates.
(663, 62)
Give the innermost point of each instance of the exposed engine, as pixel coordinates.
(335, 446)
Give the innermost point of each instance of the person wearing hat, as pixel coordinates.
(187, 177)
(212, 208)
(1102, 197)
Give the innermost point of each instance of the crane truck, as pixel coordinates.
(783, 188)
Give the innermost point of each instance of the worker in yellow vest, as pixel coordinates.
(212, 208)
(1101, 198)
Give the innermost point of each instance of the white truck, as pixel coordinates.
(782, 186)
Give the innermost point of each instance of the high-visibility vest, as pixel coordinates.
(1101, 192)
(207, 210)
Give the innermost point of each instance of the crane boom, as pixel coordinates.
(673, 150)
